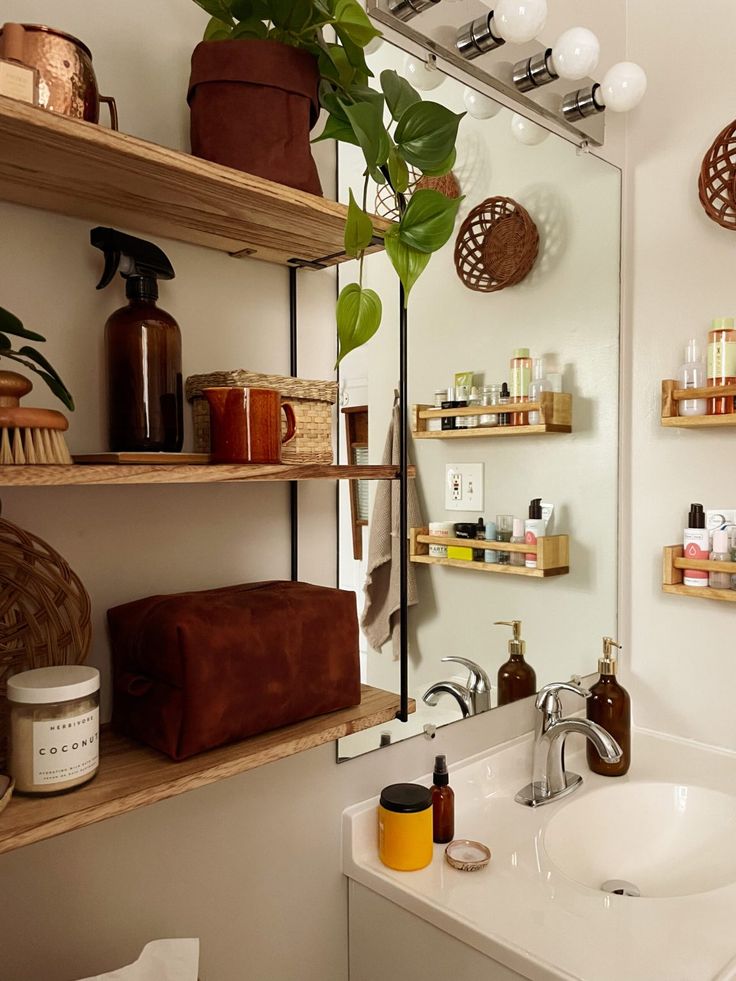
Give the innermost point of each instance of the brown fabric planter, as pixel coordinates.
(253, 104)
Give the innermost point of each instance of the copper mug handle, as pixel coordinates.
(111, 105)
(290, 423)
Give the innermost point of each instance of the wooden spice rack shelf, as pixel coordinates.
(113, 473)
(552, 554)
(132, 776)
(83, 170)
(673, 562)
(672, 396)
(555, 409)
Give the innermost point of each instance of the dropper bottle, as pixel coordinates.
(443, 803)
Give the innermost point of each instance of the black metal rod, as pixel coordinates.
(293, 486)
(403, 713)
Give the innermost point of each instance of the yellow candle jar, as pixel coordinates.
(405, 827)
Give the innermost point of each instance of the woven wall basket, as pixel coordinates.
(386, 206)
(44, 611)
(312, 402)
(717, 181)
(497, 245)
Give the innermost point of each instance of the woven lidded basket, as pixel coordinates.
(311, 401)
(44, 611)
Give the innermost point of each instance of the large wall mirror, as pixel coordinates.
(566, 311)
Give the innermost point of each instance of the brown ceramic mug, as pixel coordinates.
(245, 424)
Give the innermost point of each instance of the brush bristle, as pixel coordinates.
(33, 446)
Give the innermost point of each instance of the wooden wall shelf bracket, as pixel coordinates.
(673, 563)
(672, 396)
(555, 409)
(552, 551)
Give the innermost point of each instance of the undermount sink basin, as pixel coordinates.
(664, 839)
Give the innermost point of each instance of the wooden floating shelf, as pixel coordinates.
(83, 170)
(555, 409)
(131, 775)
(552, 554)
(673, 562)
(112, 473)
(672, 396)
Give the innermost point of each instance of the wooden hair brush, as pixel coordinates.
(29, 435)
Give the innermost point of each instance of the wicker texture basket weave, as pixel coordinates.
(717, 180)
(44, 611)
(497, 245)
(312, 402)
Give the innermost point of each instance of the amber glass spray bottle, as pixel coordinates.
(443, 803)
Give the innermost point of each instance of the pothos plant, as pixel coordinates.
(28, 356)
(390, 123)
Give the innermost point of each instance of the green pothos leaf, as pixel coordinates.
(358, 229)
(408, 262)
(358, 317)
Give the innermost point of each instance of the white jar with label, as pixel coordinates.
(54, 728)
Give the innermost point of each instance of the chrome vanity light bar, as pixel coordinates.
(582, 103)
(477, 36)
(532, 73)
(406, 9)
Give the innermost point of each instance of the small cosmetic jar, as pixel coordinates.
(405, 826)
(440, 529)
(54, 728)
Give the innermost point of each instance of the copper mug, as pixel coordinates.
(245, 424)
(66, 78)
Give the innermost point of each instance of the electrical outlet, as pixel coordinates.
(464, 487)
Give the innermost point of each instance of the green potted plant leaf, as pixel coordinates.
(29, 358)
(258, 81)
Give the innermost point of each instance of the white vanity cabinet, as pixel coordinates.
(388, 943)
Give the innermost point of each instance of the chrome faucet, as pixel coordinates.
(550, 780)
(473, 697)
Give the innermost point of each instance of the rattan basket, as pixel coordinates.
(44, 611)
(312, 402)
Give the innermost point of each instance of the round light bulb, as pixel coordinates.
(623, 86)
(575, 53)
(479, 106)
(519, 21)
(420, 75)
(527, 132)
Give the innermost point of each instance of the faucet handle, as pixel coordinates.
(548, 698)
(478, 681)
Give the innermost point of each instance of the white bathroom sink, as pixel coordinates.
(665, 839)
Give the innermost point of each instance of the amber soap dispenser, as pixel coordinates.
(610, 706)
(516, 678)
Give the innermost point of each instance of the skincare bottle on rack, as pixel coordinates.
(720, 553)
(696, 545)
(490, 555)
(693, 375)
(448, 422)
(521, 376)
(504, 530)
(479, 553)
(516, 678)
(732, 551)
(517, 538)
(461, 401)
(610, 706)
(535, 527)
(504, 418)
(489, 396)
(721, 364)
(435, 425)
(537, 385)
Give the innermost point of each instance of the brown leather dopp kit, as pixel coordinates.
(197, 670)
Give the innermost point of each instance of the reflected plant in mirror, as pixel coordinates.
(562, 322)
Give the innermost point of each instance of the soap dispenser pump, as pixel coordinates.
(516, 678)
(610, 706)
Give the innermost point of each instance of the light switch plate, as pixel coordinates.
(464, 486)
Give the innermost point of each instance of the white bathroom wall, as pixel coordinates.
(678, 276)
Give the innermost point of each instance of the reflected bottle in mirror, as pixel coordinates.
(504, 531)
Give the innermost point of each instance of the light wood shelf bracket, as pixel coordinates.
(673, 563)
(555, 409)
(672, 396)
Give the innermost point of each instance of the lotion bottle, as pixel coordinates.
(535, 527)
(516, 679)
(610, 706)
(696, 545)
(720, 553)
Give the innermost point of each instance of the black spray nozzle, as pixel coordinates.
(696, 518)
(535, 508)
(441, 776)
(138, 258)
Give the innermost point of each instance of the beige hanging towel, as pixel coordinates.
(380, 620)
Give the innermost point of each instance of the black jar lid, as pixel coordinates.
(406, 798)
(465, 529)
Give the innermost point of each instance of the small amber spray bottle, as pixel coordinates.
(610, 706)
(443, 803)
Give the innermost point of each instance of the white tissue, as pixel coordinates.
(161, 960)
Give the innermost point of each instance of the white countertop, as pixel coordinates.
(526, 914)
